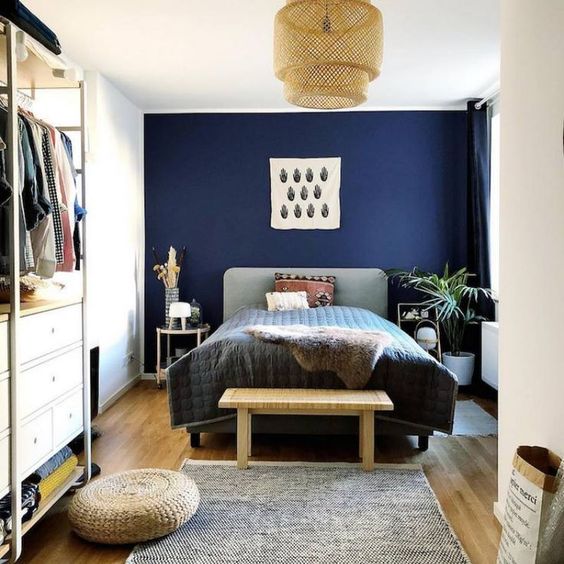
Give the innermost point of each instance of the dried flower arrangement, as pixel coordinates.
(169, 271)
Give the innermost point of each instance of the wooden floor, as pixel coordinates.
(461, 470)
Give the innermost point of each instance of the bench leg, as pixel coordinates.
(360, 435)
(367, 440)
(242, 438)
(250, 437)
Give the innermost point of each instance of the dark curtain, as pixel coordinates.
(478, 220)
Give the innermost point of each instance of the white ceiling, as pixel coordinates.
(217, 55)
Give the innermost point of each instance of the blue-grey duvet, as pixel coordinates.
(423, 391)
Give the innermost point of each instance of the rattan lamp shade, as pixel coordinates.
(327, 51)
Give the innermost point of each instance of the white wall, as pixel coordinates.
(532, 229)
(115, 203)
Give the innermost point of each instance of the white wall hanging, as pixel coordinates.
(305, 193)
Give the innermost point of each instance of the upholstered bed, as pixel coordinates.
(423, 391)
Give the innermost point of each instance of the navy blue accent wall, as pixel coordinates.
(207, 186)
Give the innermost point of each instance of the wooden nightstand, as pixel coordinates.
(201, 333)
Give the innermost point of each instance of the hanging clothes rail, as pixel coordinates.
(24, 100)
(59, 328)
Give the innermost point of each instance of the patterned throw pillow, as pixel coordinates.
(320, 289)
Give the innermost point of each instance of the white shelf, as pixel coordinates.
(44, 506)
(37, 70)
(31, 308)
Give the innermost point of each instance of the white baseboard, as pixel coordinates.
(498, 512)
(123, 390)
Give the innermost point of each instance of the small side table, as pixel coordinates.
(412, 316)
(201, 333)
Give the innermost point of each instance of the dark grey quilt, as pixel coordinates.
(423, 390)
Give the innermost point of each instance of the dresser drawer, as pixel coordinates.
(36, 441)
(67, 418)
(4, 346)
(45, 382)
(49, 331)
(4, 405)
(4, 463)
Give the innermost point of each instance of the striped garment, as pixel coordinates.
(30, 498)
(58, 477)
(53, 196)
(51, 465)
(28, 253)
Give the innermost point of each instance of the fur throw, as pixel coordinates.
(350, 353)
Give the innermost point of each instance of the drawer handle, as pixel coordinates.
(34, 440)
(52, 330)
(53, 378)
(70, 415)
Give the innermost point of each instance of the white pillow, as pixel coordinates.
(283, 301)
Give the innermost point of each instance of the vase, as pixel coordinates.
(462, 366)
(171, 295)
(196, 314)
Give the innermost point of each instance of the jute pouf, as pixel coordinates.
(133, 506)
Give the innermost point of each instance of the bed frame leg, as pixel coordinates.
(423, 443)
(195, 440)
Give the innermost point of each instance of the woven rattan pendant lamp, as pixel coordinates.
(327, 51)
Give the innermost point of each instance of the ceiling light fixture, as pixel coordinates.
(327, 51)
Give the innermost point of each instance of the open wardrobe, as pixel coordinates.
(44, 367)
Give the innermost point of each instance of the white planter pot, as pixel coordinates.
(462, 366)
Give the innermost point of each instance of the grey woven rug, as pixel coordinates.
(308, 515)
(470, 420)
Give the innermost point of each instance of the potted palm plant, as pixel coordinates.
(453, 299)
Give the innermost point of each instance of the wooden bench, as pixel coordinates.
(275, 401)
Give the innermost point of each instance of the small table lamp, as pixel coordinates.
(427, 337)
(179, 310)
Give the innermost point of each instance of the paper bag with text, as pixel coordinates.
(531, 491)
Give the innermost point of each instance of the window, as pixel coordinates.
(494, 199)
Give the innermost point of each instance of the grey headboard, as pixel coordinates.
(358, 287)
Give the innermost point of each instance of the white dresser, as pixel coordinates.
(50, 383)
(50, 391)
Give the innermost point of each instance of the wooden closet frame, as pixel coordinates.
(10, 32)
